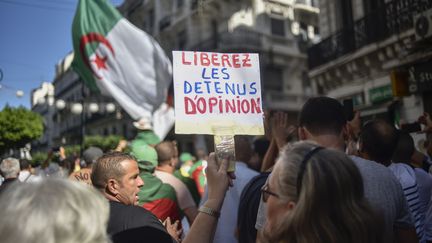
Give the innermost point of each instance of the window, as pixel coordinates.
(181, 39)
(277, 26)
(114, 130)
(180, 3)
(273, 78)
(124, 128)
(150, 21)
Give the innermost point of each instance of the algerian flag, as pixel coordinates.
(118, 59)
(158, 197)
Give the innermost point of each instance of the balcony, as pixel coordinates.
(278, 100)
(394, 17)
(243, 40)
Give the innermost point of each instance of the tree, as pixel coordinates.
(18, 126)
(106, 143)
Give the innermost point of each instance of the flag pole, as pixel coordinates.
(82, 120)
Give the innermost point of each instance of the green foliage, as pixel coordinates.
(106, 143)
(72, 150)
(18, 126)
(38, 158)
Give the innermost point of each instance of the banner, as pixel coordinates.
(215, 91)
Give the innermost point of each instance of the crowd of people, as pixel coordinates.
(324, 178)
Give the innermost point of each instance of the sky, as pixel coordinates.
(34, 36)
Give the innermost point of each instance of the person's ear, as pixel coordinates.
(302, 133)
(112, 186)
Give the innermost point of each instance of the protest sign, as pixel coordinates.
(217, 93)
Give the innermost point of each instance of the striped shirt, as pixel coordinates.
(407, 178)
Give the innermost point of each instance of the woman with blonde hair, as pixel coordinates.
(316, 195)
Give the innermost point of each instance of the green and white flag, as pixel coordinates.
(118, 59)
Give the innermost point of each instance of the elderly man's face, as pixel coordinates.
(130, 183)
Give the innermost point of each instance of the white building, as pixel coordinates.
(79, 111)
(278, 30)
(376, 52)
(42, 101)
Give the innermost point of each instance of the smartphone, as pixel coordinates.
(348, 106)
(411, 127)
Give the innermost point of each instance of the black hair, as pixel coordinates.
(24, 164)
(379, 140)
(404, 148)
(322, 115)
(260, 146)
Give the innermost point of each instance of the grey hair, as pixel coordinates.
(10, 168)
(53, 211)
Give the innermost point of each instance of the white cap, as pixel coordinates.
(144, 123)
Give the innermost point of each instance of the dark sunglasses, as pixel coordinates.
(266, 193)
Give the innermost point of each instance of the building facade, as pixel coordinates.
(279, 30)
(80, 112)
(42, 102)
(377, 52)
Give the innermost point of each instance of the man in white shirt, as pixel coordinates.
(167, 161)
(25, 174)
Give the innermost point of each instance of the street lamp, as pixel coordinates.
(19, 93)
(60, 104)
(80, 108)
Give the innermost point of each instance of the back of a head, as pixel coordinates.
(330, 203)
(10, 168)
(322, 115)
(201, 154)
(24, 164)
(53, 211)
(378, 139)
(108, 166)
(243, 148)
(165, 152)
(91, 154)
(260, 146)
(404, 149)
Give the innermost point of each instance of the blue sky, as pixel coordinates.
(34, 36)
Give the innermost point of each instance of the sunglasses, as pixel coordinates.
(266, 193)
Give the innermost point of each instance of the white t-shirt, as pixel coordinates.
(26, 176)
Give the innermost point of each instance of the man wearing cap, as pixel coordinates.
(145, 133)
(155, 196)
(90, 156)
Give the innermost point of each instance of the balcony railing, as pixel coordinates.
(241, 39)
(283, 101)
(393, 18)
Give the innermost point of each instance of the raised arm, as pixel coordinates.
(218, 180)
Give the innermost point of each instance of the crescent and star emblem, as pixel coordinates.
(99, 61)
